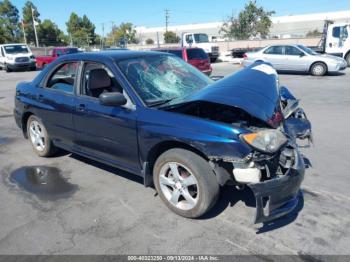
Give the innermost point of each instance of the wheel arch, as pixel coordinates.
(347, 54)
(24, 121)
(159, 149)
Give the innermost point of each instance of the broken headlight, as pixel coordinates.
(269, 140)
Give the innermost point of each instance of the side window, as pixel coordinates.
(98, 79)
(2, 51)
(336, 32)
(178, 53)
(274, 50)
(59, 52)
(189, 39)
(291, 50)
(64, 77)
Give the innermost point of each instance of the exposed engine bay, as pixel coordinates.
(220, 113)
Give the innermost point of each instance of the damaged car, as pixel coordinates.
(156, 116)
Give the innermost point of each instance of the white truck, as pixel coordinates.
(201, 40)
(16, 56)
(336, 40)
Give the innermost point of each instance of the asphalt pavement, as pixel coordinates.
(107, 211)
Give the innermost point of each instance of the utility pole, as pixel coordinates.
(113, 33)
(36, 35)
(167, 16)
(24, 32)
(103, 35)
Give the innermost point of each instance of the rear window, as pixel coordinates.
(196, 53)
(176, 52)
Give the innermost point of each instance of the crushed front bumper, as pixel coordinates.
(279, 196)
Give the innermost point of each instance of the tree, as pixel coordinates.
(9, 21)
(314, 33)
(28, 20)
(149, 41)
(50, 35)
(123, 34)
(253, 21)
(81, 30)
(171, 37)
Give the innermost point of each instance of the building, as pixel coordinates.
(282, 26)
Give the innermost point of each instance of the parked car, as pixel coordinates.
(154, 115)
(42, 61)
(192, 55)
(16, 57)
(296, 58)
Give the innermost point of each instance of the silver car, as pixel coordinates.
(296, 58)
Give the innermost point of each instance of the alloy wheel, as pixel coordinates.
(179, 185)
(37, 135)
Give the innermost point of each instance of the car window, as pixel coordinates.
(98, 79)
(2, 51)
(178, 53)
(291, 50)
(189, 39)
(196, 53)
(336, 32)
(59, 52)
(274, 50)
(16, 49)
(64, 77)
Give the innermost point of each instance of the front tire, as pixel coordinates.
(185, 182)
(7, 69)
(39, 137)
(318, 69)
(347, 58)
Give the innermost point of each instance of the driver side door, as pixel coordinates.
(104, 132)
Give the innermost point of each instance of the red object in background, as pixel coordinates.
(192, 55)
(42, 61)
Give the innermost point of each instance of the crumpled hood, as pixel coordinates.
(253, 89)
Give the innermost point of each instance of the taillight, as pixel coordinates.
(245, 56)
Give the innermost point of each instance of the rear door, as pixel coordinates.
(55, 102)
(105, 132)
(275, 56)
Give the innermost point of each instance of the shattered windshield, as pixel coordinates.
(160, 79)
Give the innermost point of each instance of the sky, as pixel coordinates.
(151, 13)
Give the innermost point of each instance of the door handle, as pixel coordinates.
(40, 98)
(81, 107)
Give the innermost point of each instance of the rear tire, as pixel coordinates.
(39, 137)
(318, 69)
(185, 182)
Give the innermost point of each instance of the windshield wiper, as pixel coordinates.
(159, 102)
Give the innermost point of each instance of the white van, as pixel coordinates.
(16, 56)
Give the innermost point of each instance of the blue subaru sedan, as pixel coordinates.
(156, 116)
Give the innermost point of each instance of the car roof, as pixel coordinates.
(175, 48)
(115, 55)
(13, 44)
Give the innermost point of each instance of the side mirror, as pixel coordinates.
(302, 54)
(112, 99)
